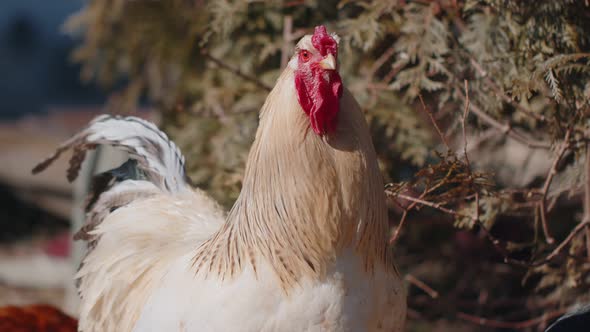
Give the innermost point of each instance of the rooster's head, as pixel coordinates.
(317, 81)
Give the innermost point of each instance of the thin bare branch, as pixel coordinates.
(401, 224)
(463, 124)
(581, 226)
(512, 325)
(432, 205)
(505, 127)
(440, 133)
(422, 285)
(475, 220)
(236, 71)
(586, 217)
(413, 204)
(467, 162)
(552, 171)
(286, 47)
(380, 62)
(404, 217)
(565, 242)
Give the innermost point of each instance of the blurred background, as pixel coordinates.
(478, 109)
(43, 101)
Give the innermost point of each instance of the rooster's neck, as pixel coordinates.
(304, 197)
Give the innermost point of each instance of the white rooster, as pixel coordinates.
(304, 248)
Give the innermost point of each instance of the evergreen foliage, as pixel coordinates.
(490, 175)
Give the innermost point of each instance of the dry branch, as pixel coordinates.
(401, 224)
(431, 116)
(586, 217)
(422, 285)
(581, 226)
(433, 205)
(467, 162)
(379, 63)
(287, 39)
(512, 325)
(236, 71)
(505, 127)
(552, 171)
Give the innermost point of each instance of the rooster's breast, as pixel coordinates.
(347, 299)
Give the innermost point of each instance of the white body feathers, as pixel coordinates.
(158, 290)
(303, 249)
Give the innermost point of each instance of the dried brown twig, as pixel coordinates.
(379, 63)
(404, 216)
(505, 128)
(414, 202)
(440, 133)
(236, 71)
(426, 191)
(433, 205)
(401, 224)
(586, 217)
(287, 38)
(552, 171)
(422, 285)
(467, 162)
(512, 325)
(581, 226)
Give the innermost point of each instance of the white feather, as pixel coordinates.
(138, 244)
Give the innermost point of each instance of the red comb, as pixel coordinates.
(323, 42)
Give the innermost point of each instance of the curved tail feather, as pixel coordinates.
(157, 158)
(155, 165)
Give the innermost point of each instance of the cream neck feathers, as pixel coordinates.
(304, 197)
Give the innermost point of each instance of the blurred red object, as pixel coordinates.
(59, 246)
(35, 318)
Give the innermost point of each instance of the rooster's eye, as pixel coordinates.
(304, 55)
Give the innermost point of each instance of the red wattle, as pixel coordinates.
(319, 98)
(319, 90)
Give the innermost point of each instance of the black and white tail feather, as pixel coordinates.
(155, 165)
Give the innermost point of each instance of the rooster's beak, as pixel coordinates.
(328, 63)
